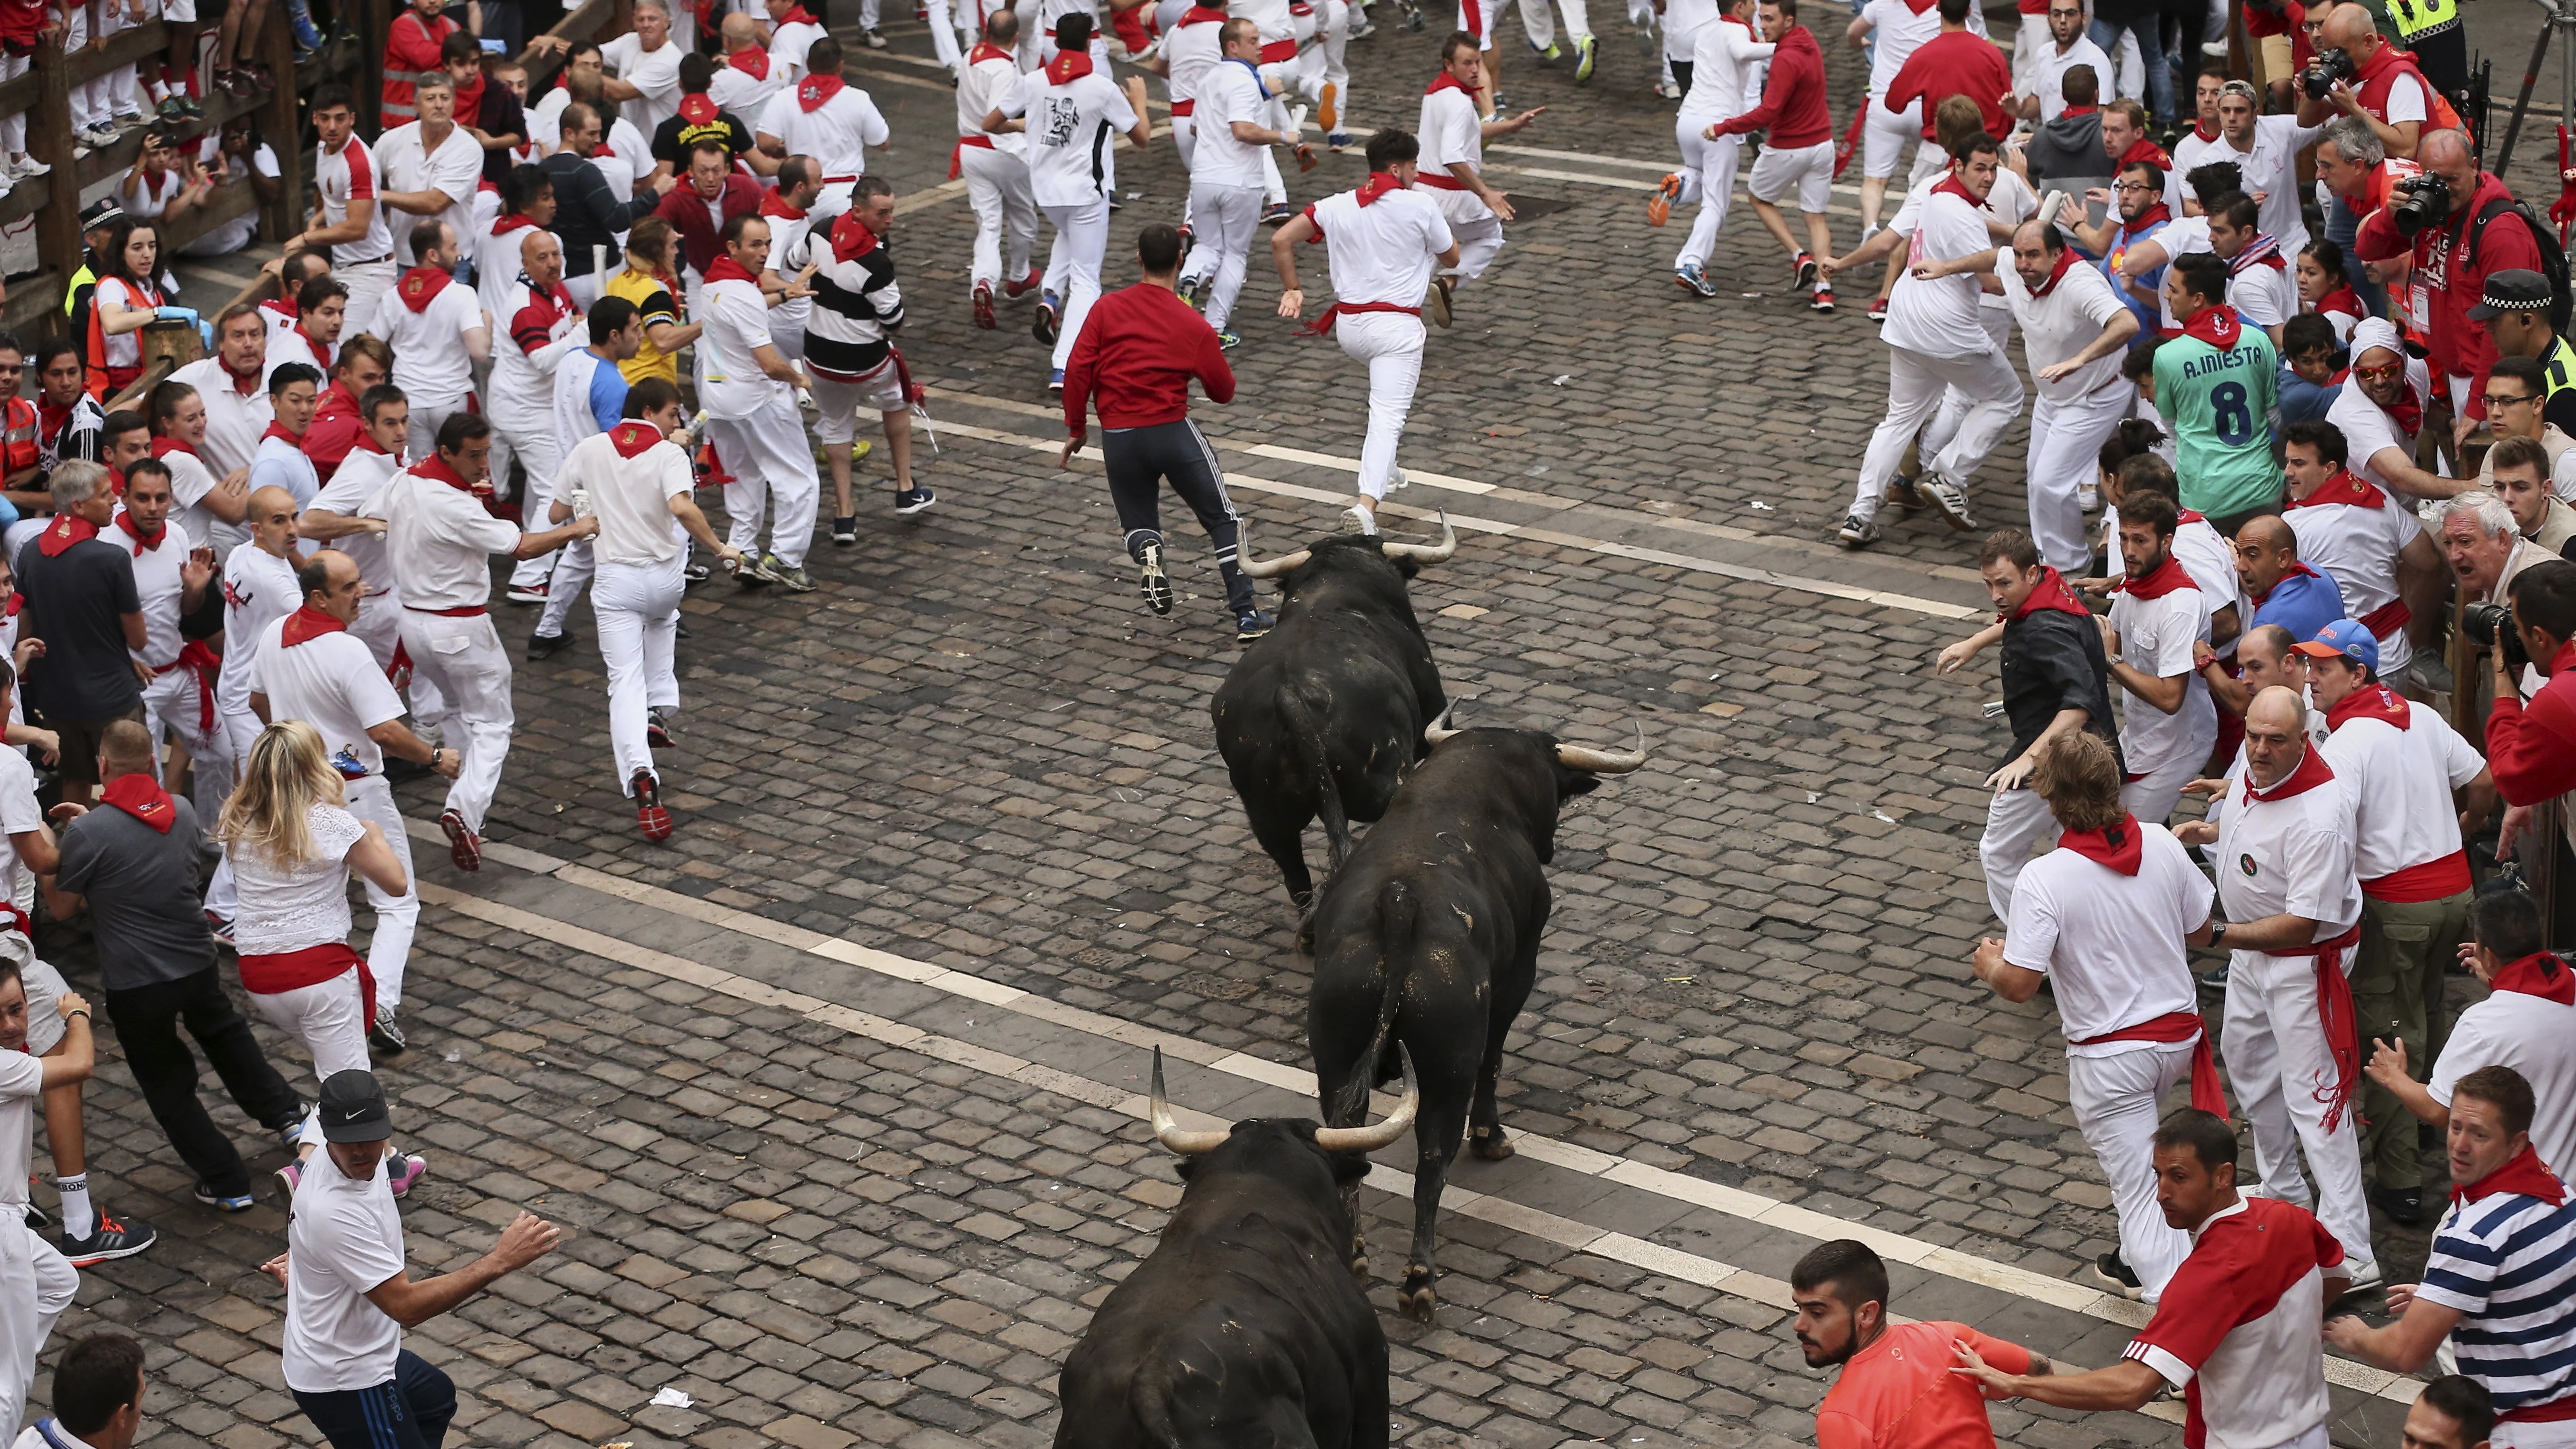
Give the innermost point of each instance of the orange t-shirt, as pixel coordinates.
(1899, 1393)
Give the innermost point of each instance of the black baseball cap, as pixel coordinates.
(353, 1108)
(2515, 289)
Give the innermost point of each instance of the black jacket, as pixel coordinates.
(587, 213)
(2052, 660)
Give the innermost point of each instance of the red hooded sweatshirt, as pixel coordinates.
(1793, 98)
(2454, 275)
(1139, 348)
(1954, 63)
(2532, 747)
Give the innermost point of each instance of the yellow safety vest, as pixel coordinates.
(2560, 364)
(2416, 18)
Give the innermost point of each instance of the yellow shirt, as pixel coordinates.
(653, 302)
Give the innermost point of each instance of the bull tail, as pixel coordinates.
(1399, 917)
(1308, 733)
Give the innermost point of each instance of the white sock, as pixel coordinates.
(79, 1218)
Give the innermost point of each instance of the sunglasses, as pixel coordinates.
(2380, 374)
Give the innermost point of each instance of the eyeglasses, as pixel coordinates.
(2493, 401)
(2134, 186)
(2380, 374)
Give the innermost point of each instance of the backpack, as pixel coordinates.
(2553, 256)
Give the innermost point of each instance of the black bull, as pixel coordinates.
(1428, 938)
(1245, 1328)
(1322, 715)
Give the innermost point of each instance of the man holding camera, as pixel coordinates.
(2531, 747)
(2460, 224)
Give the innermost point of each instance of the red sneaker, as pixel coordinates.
(1659, 207)
(650, 817)
(1878, 309)
(1824, 299)
(463, 846)
(1030, 283)
(984, 306)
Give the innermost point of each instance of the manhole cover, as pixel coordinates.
(1526, 208)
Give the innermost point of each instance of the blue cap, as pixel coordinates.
(2345, 638)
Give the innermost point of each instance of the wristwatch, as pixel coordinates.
(2217, 932)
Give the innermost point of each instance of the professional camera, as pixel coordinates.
(2328, 67)
(2486, 624)
(2423, 200)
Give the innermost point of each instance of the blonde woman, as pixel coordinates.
(292, 842)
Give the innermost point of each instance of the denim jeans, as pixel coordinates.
(2341, 226)
(2149, 30)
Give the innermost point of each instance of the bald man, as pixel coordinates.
(2265, 657)
(259, 590)
(2388, 91)
(2280, 589)
(540, 322)
(2448, 282)
(746, 80)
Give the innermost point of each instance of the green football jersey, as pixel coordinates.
(2221, 405)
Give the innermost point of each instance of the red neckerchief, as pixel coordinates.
(2157, 582)
(753, 62)
(2538, 974)
(632, 438)
(366, 443)
(986, 50)
(2051, 593)
(2345, 488)
(2122, 847)
(2524, 1174)
(50, 420)
(697, 110)
(141, 539)
(2145, 150)
(2262, 251)
(2216, 325)
(1067, 67)
(2371, 701)
(1448, 82)
(603, 149)
(244, 385)
(308, 622)
(2079, 110)
(278, 430)
(319, 350)
(421, 285)
(142, 797)
(2156, 215)
(164, 447)
(851, 240)
(66, 529)
(2295, 568)
(17, 601)
(773, 204)
(2408, 413)
(1951, 185)
(510, 223)
(2312, 772)
(2057, 273)
(1200, 15)
(2185, 518)
(1379, 183)
(816, 91)
(2344, 300)
(798, 16)
(1919, 6)
(726, 269)
(2203, 131)
(435, 469)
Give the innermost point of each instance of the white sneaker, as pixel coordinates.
(1857, 532)
(2089, 499)
(27, 166)
(1356, 519)
(2365, 1278)
(1947, 499)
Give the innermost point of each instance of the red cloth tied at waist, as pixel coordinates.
(2335, 1015)
(2553, 1413)
(957, 153)
(2207, 1092)
(467, 612)
(1183, 108)
(2384, 621)
(267, 975)
(1271, 54)
(2434, 880)
(1439, 181)
(1324, 324)
(196, 655)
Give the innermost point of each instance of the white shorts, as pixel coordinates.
(837, 403)
(1806, 170)
(180, 12)
(1886, 134)
(44, 1019)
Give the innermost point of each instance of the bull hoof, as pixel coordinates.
(1489, 1144)
(1419, 1302)
(1359, 1258)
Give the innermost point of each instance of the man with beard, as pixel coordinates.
(1897, 1389)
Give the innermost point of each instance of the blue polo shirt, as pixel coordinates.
(2300, 603)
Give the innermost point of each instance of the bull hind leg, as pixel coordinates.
(1485, 1121)
(1283, 838)
(1436, 1137)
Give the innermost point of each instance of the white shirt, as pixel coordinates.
(1384, 251)
(631, 497)
(330, 682)
(1938, 318)
(431, 364)
(157, 585)
(354, 484)
(629, 159)
(352, 176)
(259, 588)
(2262, 1385)
(22, 1079)
(292, 908)
(281, 464)
(2532, 1035)
(2156, 636)
(2060, 325)
(1900, 28)
(732, 386)
(190, 481)
(1724, 59)
(837, 133)
(735, 89)
(2268, 167)
(1229, 92)
(2367, 428)
(2407, 101)
(574, 419)
(983, 86)
(2288, 856)
(2264, 295)
(1683, 21)
(654, 72)
(2401, 782)
(2358, 548)
(1450, 131)
(1072, 135)
(2111, 944)
(234, 419)
(787, 46)
(2210, 559)
(20, 814)
(286, 344)
(455, 168)
(1189, 50)
(343, 1238)
(2183, 234)
(2048, 73)
(439, 542)
(522, 374)
(497, 262)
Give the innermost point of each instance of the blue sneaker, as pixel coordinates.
(224, 1201)
(1050, 313)
(1337, 140)
(299, 15)
(1692, 279)
(1251, 625)
(1226, 341)
(1055, 379)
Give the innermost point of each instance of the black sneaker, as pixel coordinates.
(2116, 1275)
(223, 1202)
(657, 728)
(1151, 581)
(111, 1238)
(845, 531)
(695, 572)
(385, 1035)
(1251, 625)
(914, 499)
(2404, 1206)
(546, 646)
(36, 1220)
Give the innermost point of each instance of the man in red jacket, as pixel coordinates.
(1134, 358)
(1956, 62)
(2531, 748)
(1800, 156)
(2452, 261)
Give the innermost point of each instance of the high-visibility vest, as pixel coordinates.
(2418, 18)
(18, 442)
(2560, 365)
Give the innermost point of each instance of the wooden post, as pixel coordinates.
(49, 139)
(283, 130)
(372, 21)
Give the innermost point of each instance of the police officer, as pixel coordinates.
(2515, 307)
(2431, 29)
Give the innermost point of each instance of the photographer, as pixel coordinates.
(2483, 543)
(2531, 748)
(2460, 224)
(2356, 170)
(2362, 75)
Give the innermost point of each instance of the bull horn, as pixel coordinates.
(1384, 1134)
(1603, 762)
(1263, 568)
(1429, 553)
(1168, 1132)
(1438, 730)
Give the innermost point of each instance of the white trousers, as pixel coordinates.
(36, 1285)
(13, 130)
(367, 284)
(172, 701)
(638, 608)
(997, 189)
(421, 437)
(1886, 134)
(2118, 1100)
(1479, 242)
(1542, 26)
(1324, 62)
(529, 436)
(573, 569)
(2016, 821)
(463, 660)
(2065, 448)
(1916, 382)
(2029, 44)
(2278, 1061)
(1073, 267)
(2153, 797)
(1391, 344)
(772, 468)
(240, 730)
(943, 35)
(1708, 178)
(330, 1018)
(397, 916)
(1226, 219)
